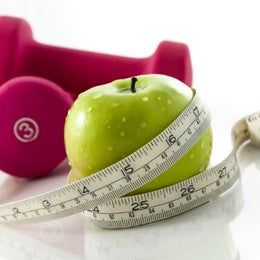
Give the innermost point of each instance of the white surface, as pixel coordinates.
(224, 45)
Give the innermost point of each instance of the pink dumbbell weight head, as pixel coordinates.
(39, 83)
(32, 113)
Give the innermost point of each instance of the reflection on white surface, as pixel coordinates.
(213, 231)
(14, 245)
(203, 231)
(57, 239)
(246, 229)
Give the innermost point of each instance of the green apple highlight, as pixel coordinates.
(108, 122)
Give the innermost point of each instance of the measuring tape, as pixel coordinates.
(99, 196)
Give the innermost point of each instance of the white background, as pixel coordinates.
(223, 37)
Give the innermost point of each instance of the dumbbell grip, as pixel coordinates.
(77, 70)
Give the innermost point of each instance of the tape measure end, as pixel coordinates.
(253, 125)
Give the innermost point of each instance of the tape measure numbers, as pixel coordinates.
(100, 195)
(167, 202)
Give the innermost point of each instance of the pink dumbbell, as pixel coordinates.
(39, 83)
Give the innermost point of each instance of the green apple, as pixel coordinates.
(108, 122)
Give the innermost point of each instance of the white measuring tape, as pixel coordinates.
(100, 195)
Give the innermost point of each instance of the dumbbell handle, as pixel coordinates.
(77, 70)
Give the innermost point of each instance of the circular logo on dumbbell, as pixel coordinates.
(26, 129)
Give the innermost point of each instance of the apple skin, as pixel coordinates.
(108, 122)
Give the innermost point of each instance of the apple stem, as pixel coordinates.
(133, 81)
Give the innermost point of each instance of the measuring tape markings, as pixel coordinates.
(133, 211)
(100, 195)
(118, 179)
(167, 202)
(176, 199)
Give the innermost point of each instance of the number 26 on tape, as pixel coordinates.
(186, 191)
